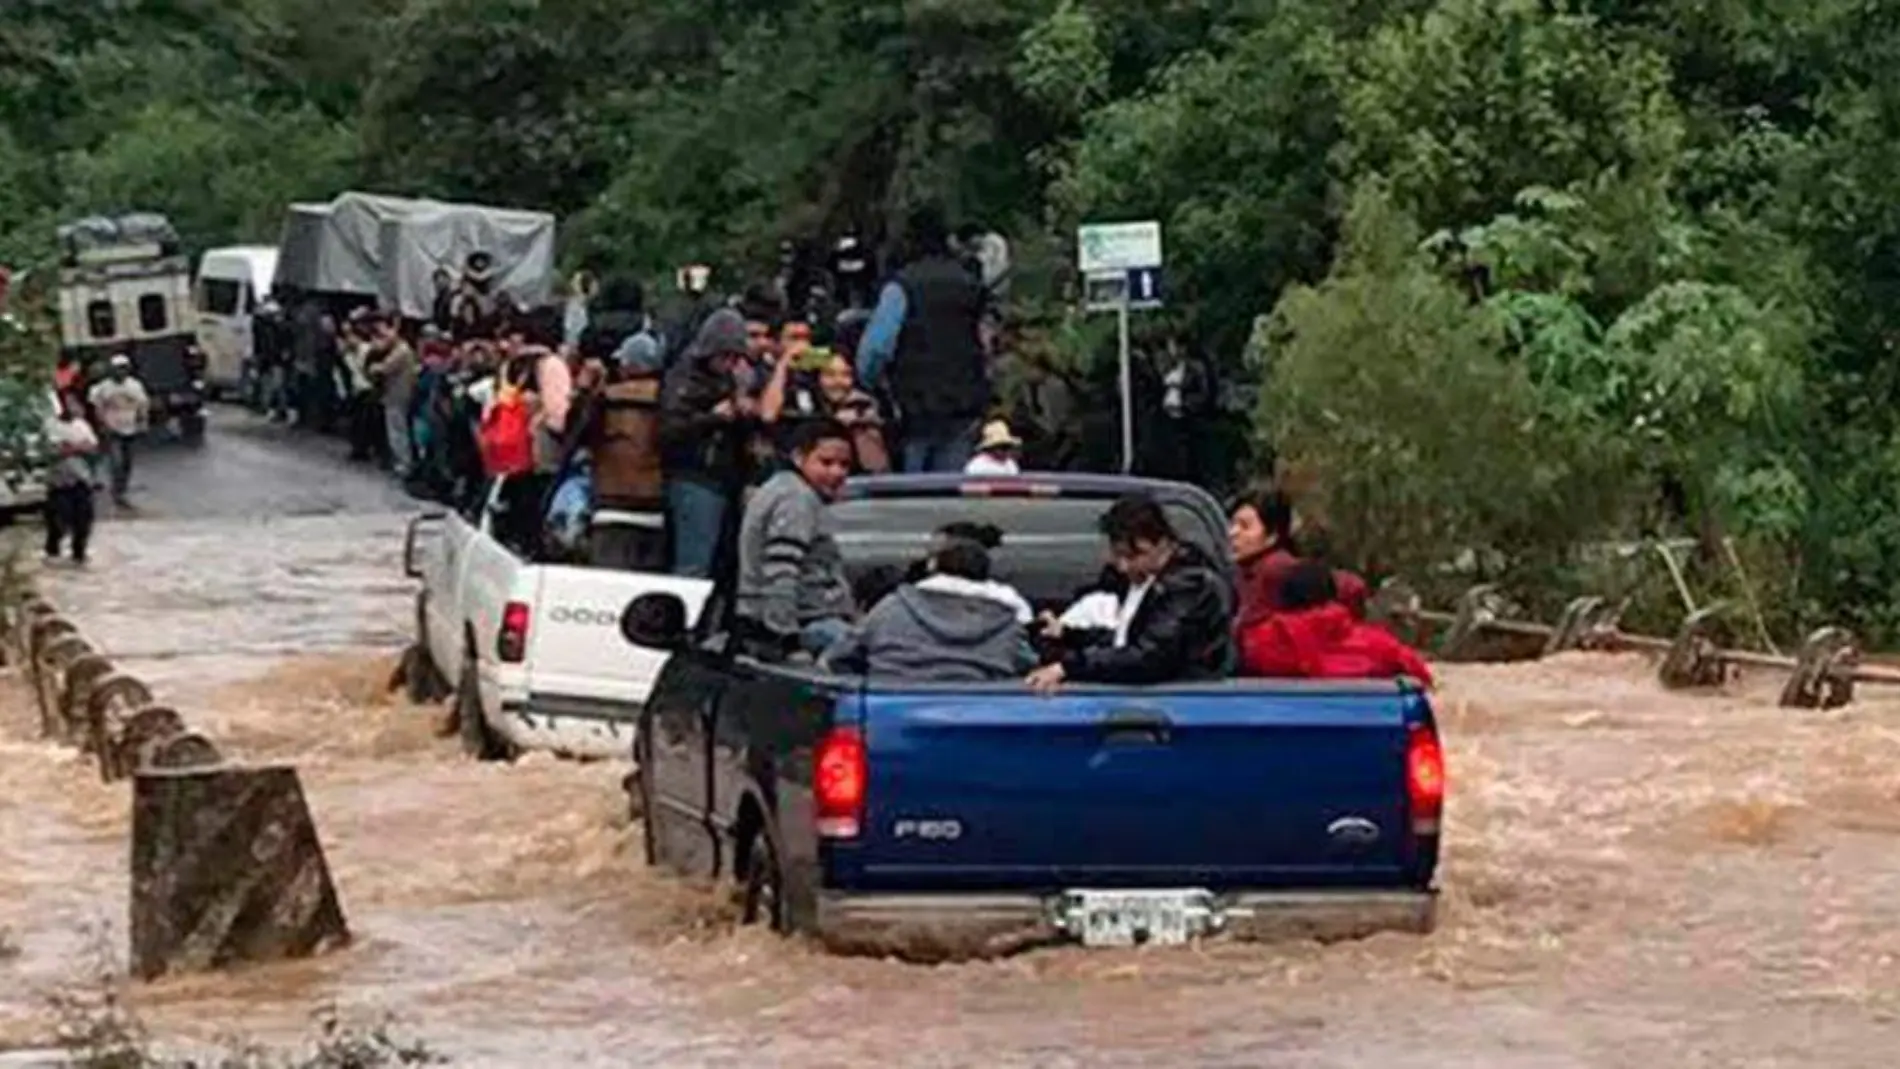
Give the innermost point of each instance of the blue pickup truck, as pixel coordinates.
(945, 821)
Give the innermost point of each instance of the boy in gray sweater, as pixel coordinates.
(952, 626)
(793, 594)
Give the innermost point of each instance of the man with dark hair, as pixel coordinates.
(1314, 636)
(927, 335)
(1260, 534)
(793, 594)
(1173, 622)
(948, 627)
(990, 537)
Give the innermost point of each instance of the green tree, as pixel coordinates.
(1463, 106)
(1399, 398)
(1228, 151)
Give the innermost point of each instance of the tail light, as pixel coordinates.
(1424, 779)
(838, 779)
(511, 645)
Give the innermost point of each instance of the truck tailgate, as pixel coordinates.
(575, 649)
(1248, 784)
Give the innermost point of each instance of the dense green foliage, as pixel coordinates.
(1501, 268)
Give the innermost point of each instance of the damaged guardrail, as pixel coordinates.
(226, 863)
(1823, 674)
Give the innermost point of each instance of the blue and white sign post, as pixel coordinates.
(1121, 270)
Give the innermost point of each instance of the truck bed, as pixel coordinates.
(1240, 784)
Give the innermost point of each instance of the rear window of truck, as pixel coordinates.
(1051, 545)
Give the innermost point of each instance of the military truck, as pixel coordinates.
(125, 287)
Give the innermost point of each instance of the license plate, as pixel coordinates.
(1137, 918)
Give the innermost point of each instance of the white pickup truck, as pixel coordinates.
(532, 652)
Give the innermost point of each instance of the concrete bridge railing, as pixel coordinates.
(226, 863)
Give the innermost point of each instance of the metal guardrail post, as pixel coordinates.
(1822, 675)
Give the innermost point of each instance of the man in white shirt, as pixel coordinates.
(69, 481)
(124, 410)
(1172, 625)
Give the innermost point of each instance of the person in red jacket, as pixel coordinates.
(1260, 535)
(1313, 636)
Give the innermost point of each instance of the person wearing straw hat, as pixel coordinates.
(998, 451)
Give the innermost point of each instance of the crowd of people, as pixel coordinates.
(615, 439)
(1161, 612)
(588, 432)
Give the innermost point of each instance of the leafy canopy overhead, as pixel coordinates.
(1630, 265)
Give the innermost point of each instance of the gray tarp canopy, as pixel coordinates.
(101, 231)
(389, 248)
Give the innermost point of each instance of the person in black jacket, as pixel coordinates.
(703, 425)
(926, 337)
(1173, 624)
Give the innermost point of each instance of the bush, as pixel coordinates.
(1395, 394)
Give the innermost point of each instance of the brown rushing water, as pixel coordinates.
(1631, 876)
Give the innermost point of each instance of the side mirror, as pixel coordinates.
(655, 621)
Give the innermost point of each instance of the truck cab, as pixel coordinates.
(231, 283)
(125, 287)
(944, 820)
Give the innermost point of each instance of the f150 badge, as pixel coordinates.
(938, 831)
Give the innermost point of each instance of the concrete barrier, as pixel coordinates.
(227, 867)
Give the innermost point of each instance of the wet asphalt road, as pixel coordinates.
(252, 469)
(263, 542)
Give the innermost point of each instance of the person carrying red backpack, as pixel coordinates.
(1314, 636)
(506, 435)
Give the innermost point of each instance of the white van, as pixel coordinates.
(231, 283)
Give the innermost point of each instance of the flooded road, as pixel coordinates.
(1629, 875)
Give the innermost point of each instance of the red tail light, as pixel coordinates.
(837, 783)
(1424, 779)
(511, 644)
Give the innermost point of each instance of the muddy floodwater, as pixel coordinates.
(1631, 877)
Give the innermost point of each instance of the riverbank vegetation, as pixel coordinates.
(1491, 274)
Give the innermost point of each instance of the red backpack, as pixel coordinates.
(506, 436)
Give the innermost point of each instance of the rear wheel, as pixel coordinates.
(764, 899)
(423, 680)
(649, 839)
(191, 427)
(478, 741)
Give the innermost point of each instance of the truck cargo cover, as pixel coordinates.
(390, 247)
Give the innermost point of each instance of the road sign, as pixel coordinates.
(1103, 247)
(1121, 273)
(1107, 291)
(1144, 287)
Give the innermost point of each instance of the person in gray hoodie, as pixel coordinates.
(952, 626)
(702, 419)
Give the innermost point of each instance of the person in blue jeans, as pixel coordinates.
(703, 431)
(927, 340)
